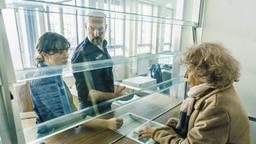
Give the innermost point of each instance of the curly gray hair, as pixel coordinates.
(213, 64)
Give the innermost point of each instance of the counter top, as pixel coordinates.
(157, 107)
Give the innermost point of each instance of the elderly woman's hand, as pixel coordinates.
(172, 122)
(146, 132)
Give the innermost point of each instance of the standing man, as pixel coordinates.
(95, 86)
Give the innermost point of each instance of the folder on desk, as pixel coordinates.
(132, 124)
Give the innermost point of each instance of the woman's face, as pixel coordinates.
(59, 57)
(191, 78)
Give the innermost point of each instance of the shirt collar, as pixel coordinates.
(92, 47)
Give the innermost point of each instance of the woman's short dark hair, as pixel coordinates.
(212, 64)
(50, 42)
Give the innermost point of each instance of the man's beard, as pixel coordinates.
(98, 41)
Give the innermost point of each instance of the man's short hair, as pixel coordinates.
(97, 14)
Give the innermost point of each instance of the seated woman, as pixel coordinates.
(212, 113)
(50, 95)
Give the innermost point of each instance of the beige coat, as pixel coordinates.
(218, 118)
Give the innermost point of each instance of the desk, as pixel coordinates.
(148, 107)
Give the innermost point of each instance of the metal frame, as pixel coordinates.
(200, 22)
(8, 126)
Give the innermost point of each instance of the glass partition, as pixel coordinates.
(117, 63)
(52, 87)
(134, 75)
(140, 103)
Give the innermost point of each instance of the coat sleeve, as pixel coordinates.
(211, 126)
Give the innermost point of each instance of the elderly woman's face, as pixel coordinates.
(191, 78)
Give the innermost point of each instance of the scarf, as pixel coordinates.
(187, 107)
(194, 92)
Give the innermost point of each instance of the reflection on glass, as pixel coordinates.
(133, 27)
(139, 123)
(128, 33)
(148, 107)
(131, 121)
(50, 96)
(95, 86)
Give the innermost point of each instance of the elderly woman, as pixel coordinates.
(212, 113)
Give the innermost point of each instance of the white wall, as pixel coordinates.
(233, 23)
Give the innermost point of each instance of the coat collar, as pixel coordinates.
(200, 100)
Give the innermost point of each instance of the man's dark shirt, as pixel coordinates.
(97, 79)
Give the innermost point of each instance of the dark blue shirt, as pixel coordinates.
(49, 96)
(98, 79)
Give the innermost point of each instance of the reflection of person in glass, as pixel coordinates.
(50, 95)
(212, 113)
(95, 86)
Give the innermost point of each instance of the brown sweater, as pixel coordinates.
(218, 118)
